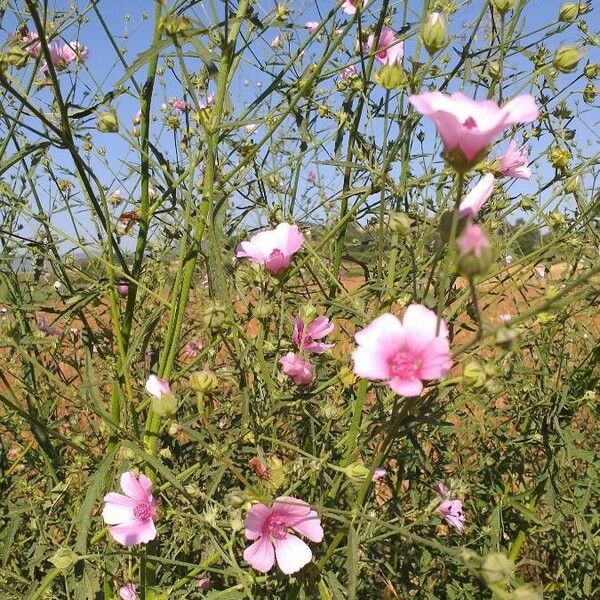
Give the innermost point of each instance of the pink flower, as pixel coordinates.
(350, 6)
(157, 387)
(298, 368)
(180, 105)
(389, 50)
(131, 515)
(540, 271)
(273, 248)
(513, 162)
(470, 125)
(203, 583)
(403, 353)
(348, 72)
(210, 101)
(123, 287)
(304, 336)
(72, 51)
(311, 177)
(46, 328)
(505, 318)
(32, 44)
(477, 197)
(452, 512)
(270, 527)
(311, 25)
(192, 349)
(378, 474)
(473, 240)
(128, 592)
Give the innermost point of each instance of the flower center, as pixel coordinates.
(470, 123)
(277, 528)
(404, 365)
(143, 511)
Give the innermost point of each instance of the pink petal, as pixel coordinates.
(370, 363)
(318, 347)
(477, 197)
(118, 509)
(293, 238)
(310, 527)
(132, 488)
(290, 508)
(406, 387)
(419, 318)
(436, 359)
(135, 532)
(383, 327)
(260, 555)
(320, 327)
(256, 520)
(522, 109)
(292, 554)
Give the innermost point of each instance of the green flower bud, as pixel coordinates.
(107, 121)
(474, 374)
(559, 157)
(556, 220)
(64, 559)
(566, 59)
(434, 33)
(584, 8)
(399, 223)
(204, 381)
(526, 592)
(589, 93)
(165, 405)
(460, 163)
(357, 472)
(347, 376)
(214, 316)
(527, 202)
(445, 226)
(175, 24)
(283, 12)
(503, 6)
(568, 12)
(497, 568)
(470, 265)
(236, 498)
(308, 313)
(591, 70)
(508, 338)
(493, 68)
(391, 77)
(16, 56)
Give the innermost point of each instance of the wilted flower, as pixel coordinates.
(451, 510)
(157, 387)
(351, 6)
(192, 349)
(128, 592)
(298, 368)
(403, 353)
(513, 162)
(389, 49)
(272, 529)
(477, 197)
(468, 126)
(304, 336)
(46, 328)
(273, 248)
(131, 516)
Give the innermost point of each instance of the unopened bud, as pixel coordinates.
(445, 226)
(204, 381)
(589, 93)
(283, 12)
(107, 121)
(357, 472)
(175, 24)
(503, 6)
(497, 568)
(214, 316)
(474, 374)
(391, 77)
(165, 405)
(566, 59)
(559, 157)
(435, 32)
(591, 70)
(399, 223)
(568, 12)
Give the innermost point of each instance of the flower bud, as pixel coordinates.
(357, 472)
(283, 12)
(107, 121)
(175, 24)
(308, 313)
(434, 34)
(16, 56)
(347, 376)
(474, 374)
(399, 223)
(204, 381)
(214, 316)
(475, 255)
(497, 568)
(503, 6)
(556, 220)
(584, 8)
(572, 185)
(568, 12)
(493, 68)
(589, 93)
(527, 202)
(507, 338)
(391, 77)
(235, 498)
(445, 226)
(165, 405)
(559, 157)
(566, 59)
(591, 70)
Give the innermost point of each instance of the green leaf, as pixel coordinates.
(21, 154)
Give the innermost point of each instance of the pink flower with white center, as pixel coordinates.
(378, 474)
(131, 516)
(128, 592)
(470, 125)
(477, 197)
(389, 50)
(272, 529)
(273, 248)
(451, 510)
(157, 387)
(513, 162)
(348, 72)
(180, 105)
(299, 369)
(305, 336)
(311, 25)
(403, 353)
(351, 6)
(473, 240)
